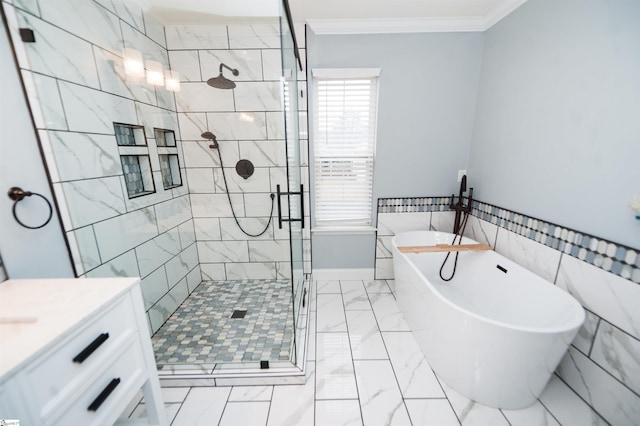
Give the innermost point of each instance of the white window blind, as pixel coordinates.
(344, 145)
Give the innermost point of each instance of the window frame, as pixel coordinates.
(327, 225)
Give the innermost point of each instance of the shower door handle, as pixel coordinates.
(280, 218)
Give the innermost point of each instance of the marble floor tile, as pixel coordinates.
(377, 286)
(431, 412)
(338, 413)
(365, 368)
(330, 313)
(294, 405)
(311, 341)
(171, 409)
(245, 414)
(533, 415)
(388, 313)
(380, 398)
(327, 286)
(364, 335)
(335, 378)
(251, 393)
(567, 407)
(415, 377)
(203, 406)
(472, 413)
(354, 296)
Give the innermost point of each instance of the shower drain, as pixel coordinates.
(238, 314)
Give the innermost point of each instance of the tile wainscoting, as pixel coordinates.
(603, 363)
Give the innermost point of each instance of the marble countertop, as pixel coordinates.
(34, 312)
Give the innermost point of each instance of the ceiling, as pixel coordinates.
(343, 16)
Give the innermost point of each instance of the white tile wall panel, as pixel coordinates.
(199, 97)
(178, 267)
(238, 125)
(223, 251)
(154, 286)
(247, 62)
(93, 111)
(85, 156)
(615, 402)
(180, 37)
(87, 20)
(156, 252)
(187, 64)
(610, 297)
(172, 213)
(65, 56)
(619, 354)
(93, 200)
(124, 265)
(254, 36)
(192, 125)
(539, 259)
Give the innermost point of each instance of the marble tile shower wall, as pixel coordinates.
(249, 124)
(77, 89)
(603, 363)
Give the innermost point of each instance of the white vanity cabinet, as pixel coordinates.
(75, 352)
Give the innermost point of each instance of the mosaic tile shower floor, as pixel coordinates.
(202, 330)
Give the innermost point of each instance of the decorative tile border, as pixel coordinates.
(413, 204)
(612, 257)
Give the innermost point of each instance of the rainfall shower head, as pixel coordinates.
(221, 82)
(212, 138)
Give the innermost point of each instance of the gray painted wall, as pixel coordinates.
(427, 98)
(557, 131)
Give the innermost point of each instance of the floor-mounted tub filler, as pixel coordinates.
(496, 332)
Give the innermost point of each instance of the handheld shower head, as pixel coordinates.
(212, 138)
(221, 82)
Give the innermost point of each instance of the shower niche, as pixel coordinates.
(147, 197)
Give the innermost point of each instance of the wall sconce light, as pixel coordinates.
(133, 64)
(172, 81)
(155, 74)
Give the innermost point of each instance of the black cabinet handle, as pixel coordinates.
(103, 395)
(86, 352)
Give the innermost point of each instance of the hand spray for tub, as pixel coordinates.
(459, 224)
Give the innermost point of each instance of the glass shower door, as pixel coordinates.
(295, 199)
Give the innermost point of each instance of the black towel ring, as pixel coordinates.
(17, 195)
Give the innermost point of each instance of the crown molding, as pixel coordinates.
(414, 25)
(398, 25)
(500, 12)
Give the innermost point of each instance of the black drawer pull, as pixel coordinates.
(104, 395)
(86, 352)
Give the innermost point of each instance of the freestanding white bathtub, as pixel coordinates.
(496, 332)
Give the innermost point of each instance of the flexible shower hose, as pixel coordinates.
(455, 262)
(233, 212)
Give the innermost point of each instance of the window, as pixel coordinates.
(344, 139)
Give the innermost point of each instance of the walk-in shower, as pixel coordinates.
(139, 171)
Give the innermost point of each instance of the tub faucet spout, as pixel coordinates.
(459, 207)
